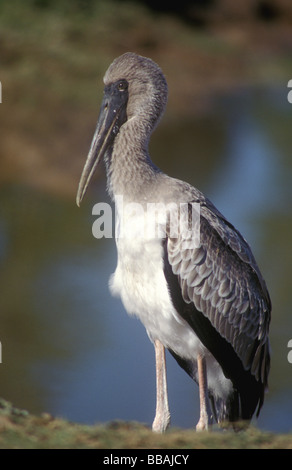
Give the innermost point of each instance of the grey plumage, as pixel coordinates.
(225, 285)
(207, 303)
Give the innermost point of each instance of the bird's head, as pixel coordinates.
(135, 88)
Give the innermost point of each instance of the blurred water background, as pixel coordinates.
(68, 347)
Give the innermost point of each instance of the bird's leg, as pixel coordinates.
(162, 415)
(205, 412)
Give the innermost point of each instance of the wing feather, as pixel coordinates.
(221, 279)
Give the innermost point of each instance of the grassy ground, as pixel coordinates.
(20, 430)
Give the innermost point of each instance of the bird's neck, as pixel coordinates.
(129, 166)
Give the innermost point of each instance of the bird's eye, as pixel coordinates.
(122, 85)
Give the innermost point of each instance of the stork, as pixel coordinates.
(206, 303)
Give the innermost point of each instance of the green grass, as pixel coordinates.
(21, 430)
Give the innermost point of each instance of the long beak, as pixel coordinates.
(112, 115)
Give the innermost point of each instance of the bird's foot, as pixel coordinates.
(161, 422)
(204, 423)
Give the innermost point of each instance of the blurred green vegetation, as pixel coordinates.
(53, 55)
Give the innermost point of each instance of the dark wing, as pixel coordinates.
(218, 289)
